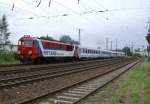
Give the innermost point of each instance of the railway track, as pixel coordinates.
(22, 85)
(9, 65)
(20, 68)
(78, 92)
(17, 78)
(22, 79)
(10, 68)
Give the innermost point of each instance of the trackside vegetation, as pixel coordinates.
(8, 58)
(131, 88)
(136, 88)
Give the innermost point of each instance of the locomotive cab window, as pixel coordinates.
(19, 42)
(27, 43)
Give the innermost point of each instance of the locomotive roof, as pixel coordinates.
(27, 37)
(90, 48)
(55, 41)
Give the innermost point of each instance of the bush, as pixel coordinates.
(137, 55)
(9, 58)
(148, 59)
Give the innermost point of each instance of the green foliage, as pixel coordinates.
(47, 38)
(131, 88)
(148, 59)
(135, 88)
(127, 51)
(137, 50)
(148, 38)
(137, 55)
(67, 39)
(8, 58)
(148, 49)
(4, 30)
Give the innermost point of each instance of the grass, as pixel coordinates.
(8, 58)
(131, 88)
(135, 89)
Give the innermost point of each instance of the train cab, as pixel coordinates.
(27, 49)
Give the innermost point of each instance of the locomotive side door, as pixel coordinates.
(36, 49)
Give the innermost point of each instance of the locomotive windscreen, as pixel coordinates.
(27, 42)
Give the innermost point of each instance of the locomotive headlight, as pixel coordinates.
(30, 52)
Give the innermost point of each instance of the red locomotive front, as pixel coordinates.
(27, 49)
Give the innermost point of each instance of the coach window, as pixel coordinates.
(99, 52)
(86, 51)
(92, 51)
(62, 47)
(82, 50)
(69, 48)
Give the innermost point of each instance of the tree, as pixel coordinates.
(127, 51)
(4, 33)
(75, 42)
(11, 47)
(47, 38)
(137, 50)
(67, 39)
(148, 40)
(148, 50)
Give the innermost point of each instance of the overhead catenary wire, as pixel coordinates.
(86, 9)
(85, 6)
(105, 9)
(83, 13)
(8, 5)
(127, 9)
(99, 4)
(49, 3)
(66, 14)
(13, 5)
(29, 3)
(65, 7)
(39, 3)
(78, 1)
(75, 12)
(90, 10)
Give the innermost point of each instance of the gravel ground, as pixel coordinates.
(104, 95)
(29, 91)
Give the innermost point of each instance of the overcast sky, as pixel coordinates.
(124, 20)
